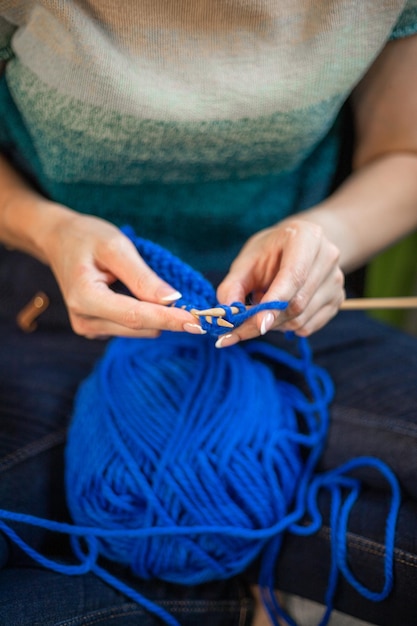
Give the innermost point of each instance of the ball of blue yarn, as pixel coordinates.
(174, 433)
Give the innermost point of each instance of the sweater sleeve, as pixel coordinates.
(407, 22)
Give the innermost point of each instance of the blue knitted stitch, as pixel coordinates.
(197, 292)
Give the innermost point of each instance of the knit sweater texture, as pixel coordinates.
(198, 122)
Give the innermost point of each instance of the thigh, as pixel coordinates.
(52, 599)
(374, 412)
(39, 374)
(374, 409)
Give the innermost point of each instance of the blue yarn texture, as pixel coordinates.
(186, 462)
(197, 292)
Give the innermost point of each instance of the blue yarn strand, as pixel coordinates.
(186, 463)
(197, 292)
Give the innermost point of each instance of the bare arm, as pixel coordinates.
(301, 259)
(377, 205)
(87, 255)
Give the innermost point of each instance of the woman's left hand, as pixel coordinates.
(293, 262)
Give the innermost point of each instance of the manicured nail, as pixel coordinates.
(172, 296)
(194, 329)
(226, 340)
(267, 323)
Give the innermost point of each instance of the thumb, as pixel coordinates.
(125, 263)
(237, 284)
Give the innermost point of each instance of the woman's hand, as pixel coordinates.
(294, 262)
(87, 255)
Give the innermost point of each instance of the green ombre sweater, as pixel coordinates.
(196, 121)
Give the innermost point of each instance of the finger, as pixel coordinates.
(116, 331)
(320, 293)
(302, 328)
(297, 260)
(312, 324)
(234, 288)
(107, 307)
(277, 264)
(119, 255)
(324, 305)
(317, 272)
(241, 279)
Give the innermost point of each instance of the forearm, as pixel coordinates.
(376, 206)
(25, 216)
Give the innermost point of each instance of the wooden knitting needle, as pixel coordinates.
(351, 304)
(216, 311)
(209, 316)
(358, 304)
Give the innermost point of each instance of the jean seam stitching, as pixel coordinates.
(372, 547)
(131, 609)
(32, 449)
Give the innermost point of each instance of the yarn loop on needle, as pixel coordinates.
(197, 292)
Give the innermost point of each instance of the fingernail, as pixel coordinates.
(194, 329)
(267, 323)
(226, 340)
(172, 296)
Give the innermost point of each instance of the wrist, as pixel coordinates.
(29, 222)
(337, 229)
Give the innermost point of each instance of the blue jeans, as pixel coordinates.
(374, 413)
(39, 373)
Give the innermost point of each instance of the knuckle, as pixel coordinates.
(298, 276)
(140, 284)
(304, 331)
(132, 319)
(77, 296)
(334, 253)
(80, 325)
(112, 245)
(294, 225)
(341, 299)
(81, 272)
(168, 319)
(315, 230)
(302, 327)
(295, 325)
(297, 305)
(340, 279)
(74, 306)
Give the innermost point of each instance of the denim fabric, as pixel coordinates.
(34, 597)
(39, 373)
(374, 413)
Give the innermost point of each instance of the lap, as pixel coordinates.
(374, 412)
(373, 366)
(51, 599)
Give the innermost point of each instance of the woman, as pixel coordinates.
(215, 130)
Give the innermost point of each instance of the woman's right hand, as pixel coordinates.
(87, 255)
